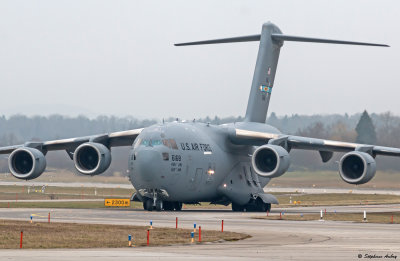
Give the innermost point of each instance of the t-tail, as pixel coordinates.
(271, 40)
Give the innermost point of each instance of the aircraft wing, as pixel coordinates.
(325, 147)
(114, 139)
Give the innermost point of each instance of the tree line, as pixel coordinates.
(377, 129)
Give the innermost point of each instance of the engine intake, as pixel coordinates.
(357, 167)
(92, 158)
(270, 161)
(26, 163)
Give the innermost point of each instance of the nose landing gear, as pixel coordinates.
(159, 205)
(153, 200)
(148, 204)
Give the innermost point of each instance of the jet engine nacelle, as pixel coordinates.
(92, 158)
(270, 161)
(26, 163)
(357, 167)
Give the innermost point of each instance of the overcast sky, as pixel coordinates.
(118, 58)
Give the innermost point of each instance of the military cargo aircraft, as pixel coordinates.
(189, 162)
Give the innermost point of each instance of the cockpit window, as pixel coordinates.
(165, 142)
(173, 144)
(156, 142)
(146, 142)
(170, 143)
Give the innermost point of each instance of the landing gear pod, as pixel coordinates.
(92, 158)
(26, 163)
(357, 167)
(270, 161)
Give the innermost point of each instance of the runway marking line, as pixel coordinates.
(40, 215)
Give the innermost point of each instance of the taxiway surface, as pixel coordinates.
(271, 239)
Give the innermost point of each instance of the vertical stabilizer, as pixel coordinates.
(264, 74)
(271, 40)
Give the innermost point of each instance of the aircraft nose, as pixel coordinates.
(148, 164)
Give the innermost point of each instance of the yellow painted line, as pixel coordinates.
(39, 215)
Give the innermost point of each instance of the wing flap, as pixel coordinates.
(64, 144)
(248, 137)
(114, 139)
(9, 149)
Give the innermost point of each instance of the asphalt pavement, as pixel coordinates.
(271, 239)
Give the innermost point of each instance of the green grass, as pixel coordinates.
(94, 204)
(325, 199)
(72, 235)
(63, 175)
(331, 179)
(14, 192)
(300, 179)
(55, 204)
(381, 217)
(297, 179)
(335, 199)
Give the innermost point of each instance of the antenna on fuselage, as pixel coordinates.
(271, 40)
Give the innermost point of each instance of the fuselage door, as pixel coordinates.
(196, 179)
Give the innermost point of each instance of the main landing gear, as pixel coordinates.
(148, 204)
(253, 206)
(171, 206)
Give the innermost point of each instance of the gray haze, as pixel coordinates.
(118, 58)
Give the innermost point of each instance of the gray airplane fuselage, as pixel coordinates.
(193, 162)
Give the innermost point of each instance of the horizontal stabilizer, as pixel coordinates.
(248, 38)
(284, 37)
(277, 37)
(270, 41)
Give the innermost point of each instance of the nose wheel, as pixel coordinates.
(159, 205)
(148, 204)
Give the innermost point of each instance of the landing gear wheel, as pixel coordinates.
(237, 208)
(159, 205)
(268, 207)
(148, 204)
(168, 206)
(178, 206)
(261, 206)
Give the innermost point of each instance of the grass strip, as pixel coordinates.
(72, 235)
(378, 217)
(335, 199)
(63, 204)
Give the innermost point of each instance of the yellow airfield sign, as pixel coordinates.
(117, 202)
